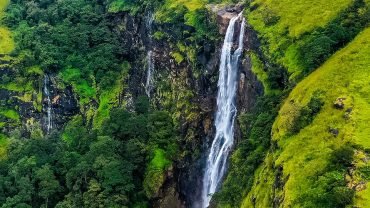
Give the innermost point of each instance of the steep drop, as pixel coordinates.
(48, 124)
(149, 58)
(226, 112)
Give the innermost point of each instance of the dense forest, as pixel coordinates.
(81, 127)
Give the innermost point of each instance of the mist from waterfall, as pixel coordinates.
(226, 112)
(149, 84)
(49, 118)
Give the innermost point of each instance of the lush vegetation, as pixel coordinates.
(6, 41)
(290, 175)
(70, 37)
(105, 168)
(295, 150)
(251, 151)
(313, 164)
(303, 42)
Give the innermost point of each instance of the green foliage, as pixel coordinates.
(334, 191)
(72, 38)
(80, 85)
(155, 173)
(331, 184)
(343, 157)
(301, 44)
(10, 114)
(256, 129)
(142, 105)
(178, 57)
(307, 113)
(323, 42)
(161, 132)
(122, 5)
(47, 183)
(6, 40)
(315, 162)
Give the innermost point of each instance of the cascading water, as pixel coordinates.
(149, 74)
(49, 118)
(149, 57)
(226, 112)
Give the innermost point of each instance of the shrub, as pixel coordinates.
(343, 157)
(307, 113)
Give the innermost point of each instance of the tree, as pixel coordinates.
(48, 185)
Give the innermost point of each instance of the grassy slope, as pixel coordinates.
(301, 16)
(282, 23)
(303, 155)
(6, 41)
(190, 4)
(6, 46)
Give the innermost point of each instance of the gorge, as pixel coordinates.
(226, 111)
(184, 104)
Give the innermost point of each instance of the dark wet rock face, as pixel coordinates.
(184, 181)
(63, 105)
(31, 105)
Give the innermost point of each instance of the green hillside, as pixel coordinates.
(6, 41)
(299, 35)
(306, 156)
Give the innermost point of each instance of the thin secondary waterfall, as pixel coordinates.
(49, 118)
(149, 74)
(150, 63)
(226, 112)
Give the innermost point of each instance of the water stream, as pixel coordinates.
(49, 118)
(226, 112)
(149, 84)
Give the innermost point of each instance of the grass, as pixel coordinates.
(35, 70)
(3, 145)
(18, 84)
(108, 98)
(154, 176)
(282, 23)
(191, 5)
(261, 190)
(10, 114)
(105, 104)
(6, 41)
(363, 197)
(159, 161)
(306, 154)
(299, 16)
(80, 85)
(171, 8)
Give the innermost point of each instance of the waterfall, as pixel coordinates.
(149, 73)
(226, 112)
(150, 63)
(49, 119)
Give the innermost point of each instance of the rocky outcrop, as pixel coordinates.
(182, 186)
(64, 104)
(224, 15)
(30, 103)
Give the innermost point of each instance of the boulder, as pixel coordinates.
(334, 131)
(339, 103)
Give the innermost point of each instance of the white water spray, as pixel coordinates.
(49, 118)
(150, 62)
(149, 74)
(226, 112)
